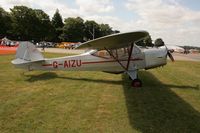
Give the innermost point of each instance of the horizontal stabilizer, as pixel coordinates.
(19, 61)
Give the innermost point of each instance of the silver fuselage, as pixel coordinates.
(141, 58)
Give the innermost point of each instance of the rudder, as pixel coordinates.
(26, 54)
(27, 51)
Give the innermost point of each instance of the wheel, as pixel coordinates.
(136, 83)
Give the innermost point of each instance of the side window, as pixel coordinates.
(136, 50)
(102, 53)
(117, 53)
(122, 52)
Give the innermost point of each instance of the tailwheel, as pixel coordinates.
(136, 83)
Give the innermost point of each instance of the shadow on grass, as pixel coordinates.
(155, 108)
(39, 77)
(51, 75)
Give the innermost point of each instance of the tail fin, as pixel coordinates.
(27, 53)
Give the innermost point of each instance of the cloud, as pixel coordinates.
(49, 6)
(7, 4)
(95, 6)
(170, 20)
(157, 13)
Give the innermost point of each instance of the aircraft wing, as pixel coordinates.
(115, 41)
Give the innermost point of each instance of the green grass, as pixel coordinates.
(64, 101)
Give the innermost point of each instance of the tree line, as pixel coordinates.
(24, 23)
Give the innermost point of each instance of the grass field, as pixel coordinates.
(42, 101)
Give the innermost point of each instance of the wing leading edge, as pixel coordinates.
(115, 41)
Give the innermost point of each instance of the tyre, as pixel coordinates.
(136, 83)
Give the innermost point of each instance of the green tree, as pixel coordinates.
(29, 24)
(5, 23)
(44, 30)
(57, 22)
(92, 30)
(24, 22)
(116, 31)
(105, 29)
(73, 29)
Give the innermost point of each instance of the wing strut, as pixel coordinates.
(111, 54)
(129, 56)
(116, 58)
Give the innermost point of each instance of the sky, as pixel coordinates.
(177, 22)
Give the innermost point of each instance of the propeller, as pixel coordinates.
(159, 42)
(170, 55)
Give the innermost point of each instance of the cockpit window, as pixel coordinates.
(102, 53)
(121, 52)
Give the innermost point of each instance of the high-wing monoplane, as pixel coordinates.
(117, 53)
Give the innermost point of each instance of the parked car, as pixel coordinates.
(67, 45)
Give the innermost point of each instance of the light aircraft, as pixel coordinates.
(117, 53)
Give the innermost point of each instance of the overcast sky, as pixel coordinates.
(176, 21)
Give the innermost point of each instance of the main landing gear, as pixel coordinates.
(136, 83)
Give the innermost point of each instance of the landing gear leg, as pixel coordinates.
(136, 82)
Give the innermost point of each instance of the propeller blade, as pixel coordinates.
(170, 56)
